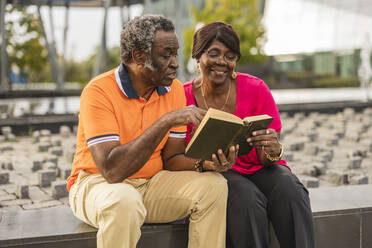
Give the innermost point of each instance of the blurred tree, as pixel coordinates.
(25, 47)
(82, 71)
(243, 16)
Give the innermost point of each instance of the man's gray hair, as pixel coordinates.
(139, 34)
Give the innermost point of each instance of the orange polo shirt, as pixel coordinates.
(110, 109)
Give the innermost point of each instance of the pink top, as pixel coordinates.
(253, 98)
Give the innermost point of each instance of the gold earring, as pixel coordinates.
(198, 69)
(233, 75)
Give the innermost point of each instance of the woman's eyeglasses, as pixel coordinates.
(228, 57)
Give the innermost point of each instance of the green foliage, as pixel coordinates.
(334, 81)
(24, 40)
(243, 16)
(82, 71)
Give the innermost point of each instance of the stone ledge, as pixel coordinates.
(342, 218)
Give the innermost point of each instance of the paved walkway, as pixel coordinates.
(321, 95)
(70, 105)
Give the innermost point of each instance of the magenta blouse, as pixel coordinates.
(253, 98)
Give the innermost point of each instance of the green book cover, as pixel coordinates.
(220, 130)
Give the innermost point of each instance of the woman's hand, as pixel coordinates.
(266, 140)
(219, 162)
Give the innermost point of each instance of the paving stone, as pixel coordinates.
(310, 171)
(17, 178)
(59, 189)
(38, 195)
(56, 141)
(9, 188)
(288, 156)
(58, 151)
(64, 200)
(36, 136)
(65, 131)
(340, 134)
(11, 208)
(309, 182)
(358, 179)
(46, 177)
(7, 197)
(75, 129)
(6, 147)
(325, 156)
(37, 164)
(11, 137)
(51, 166)
(51, 158)
(22, 191)
(321, 168)
(31, 178)
(7, 165)
(332, 141)
(4, 178)
(46, 204)
(16, 202)
(311, 149)
(355, 162)
(6, 130)
(367, 144)
(65, 171)
(44, 146)
(45, 139)
(338, 177)
(45, 133)
(297, 146)
(69, 155)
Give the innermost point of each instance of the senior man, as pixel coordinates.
(132, 126)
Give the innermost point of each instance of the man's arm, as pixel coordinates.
(117, 162)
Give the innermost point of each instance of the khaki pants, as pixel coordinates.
(119, 210)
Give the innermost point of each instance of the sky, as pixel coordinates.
(292, 26)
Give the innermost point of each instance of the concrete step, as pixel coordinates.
(342, 218)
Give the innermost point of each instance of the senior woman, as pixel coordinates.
(261, 186)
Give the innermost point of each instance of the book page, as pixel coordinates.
(225, 116)
(249, 119)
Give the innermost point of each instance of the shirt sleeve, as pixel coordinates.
(97, 116)
(268, 106)
(179, 101)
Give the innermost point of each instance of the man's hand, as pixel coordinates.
(190, 115)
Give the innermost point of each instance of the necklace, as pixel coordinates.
(205, 101)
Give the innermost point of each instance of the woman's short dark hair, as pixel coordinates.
(218, 30)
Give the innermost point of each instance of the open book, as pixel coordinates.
(220, 130)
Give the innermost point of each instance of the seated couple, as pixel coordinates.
(134, 122)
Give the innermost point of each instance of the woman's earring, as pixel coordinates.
(233, 75)
(198, 69)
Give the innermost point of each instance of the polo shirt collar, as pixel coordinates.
(123, 81)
